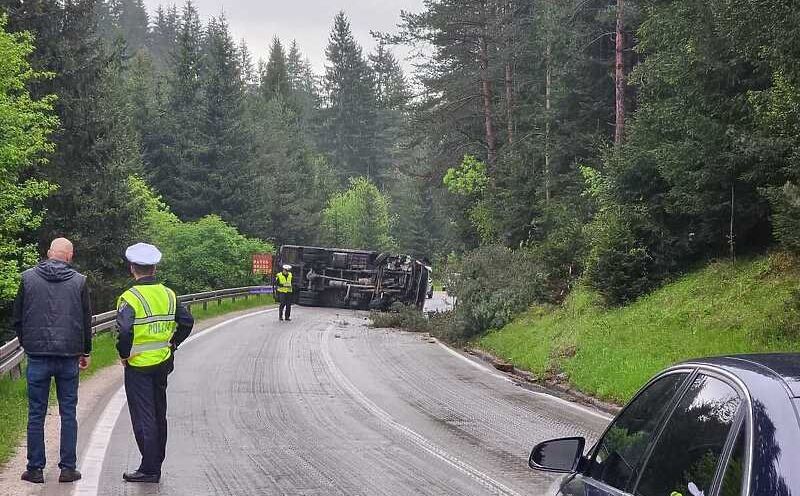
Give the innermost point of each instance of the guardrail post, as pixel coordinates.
(16, 372)
(205, 305)
(233, 298)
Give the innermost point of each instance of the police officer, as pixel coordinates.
(152, 324)
(284, 283)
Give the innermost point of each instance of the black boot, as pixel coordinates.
(35, 475)
(140, 477)
(69, 475)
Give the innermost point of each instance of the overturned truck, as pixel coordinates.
(360, 279)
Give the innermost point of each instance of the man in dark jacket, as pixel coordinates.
(53, 321)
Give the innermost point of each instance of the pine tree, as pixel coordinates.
(305, 97)
(248, 70)
(275, 79)
(294, 180)
(164, 36)
(183, 141)
(350, 119)
(133, 23)
(391, 87)
(223, 183)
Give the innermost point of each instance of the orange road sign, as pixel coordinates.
(262, 263)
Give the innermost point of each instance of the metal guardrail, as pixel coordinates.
(12, 355)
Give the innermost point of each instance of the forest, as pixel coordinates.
(535, 146)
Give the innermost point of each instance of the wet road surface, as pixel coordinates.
(325, 405)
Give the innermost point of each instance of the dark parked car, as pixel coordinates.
(725, 426)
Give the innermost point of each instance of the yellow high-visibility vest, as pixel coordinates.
(154, 307)
(284, 282)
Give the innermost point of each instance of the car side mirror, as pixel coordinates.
(559, 455)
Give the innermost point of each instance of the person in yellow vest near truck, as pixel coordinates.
(283, 282)
(152, 324)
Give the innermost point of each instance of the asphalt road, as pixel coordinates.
(324, 405)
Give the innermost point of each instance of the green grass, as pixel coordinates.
(213, 309)
(13, 392)
(13, 415)
(610, 353)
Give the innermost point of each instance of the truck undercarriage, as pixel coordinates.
(359, 279)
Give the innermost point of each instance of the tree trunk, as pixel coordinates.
(510, 60)
(486, 93)
(619, 75)
(547, 105)
(510, 101)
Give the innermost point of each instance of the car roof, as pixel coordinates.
(783, 367)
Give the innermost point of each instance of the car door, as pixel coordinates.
(690, 455)
(613, 464)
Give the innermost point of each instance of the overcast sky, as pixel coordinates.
(307, 21)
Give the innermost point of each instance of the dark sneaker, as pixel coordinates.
(140, 477)
(36, 476)
(69, 475)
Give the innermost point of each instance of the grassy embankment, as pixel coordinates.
(13, 395)
(609, 353)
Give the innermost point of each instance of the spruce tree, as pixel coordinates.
(248, 70)
(305, 97)
(179, 175)
(350, 119)
(223, 185)
(132, 23)
(391, 87)
(164, 36)
(275, 80)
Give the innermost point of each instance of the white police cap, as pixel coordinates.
(143, 254)
(287, 267)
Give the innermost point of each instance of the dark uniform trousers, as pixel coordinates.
(146, 390)
(285, 307)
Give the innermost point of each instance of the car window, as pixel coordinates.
(619, 452)
(734, 472)
(685, 457)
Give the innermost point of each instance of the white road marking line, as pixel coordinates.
(92, 461)
(489, 371)
(418, 439)
(474, 363)
(91, 465)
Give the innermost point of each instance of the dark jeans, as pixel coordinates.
(40, 372)
(286, 305)
(147, 402)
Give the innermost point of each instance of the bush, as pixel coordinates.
(619, 266)
(492, 284)
(562, 250)
(204, 255)
(401, 317)
(785, 203)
